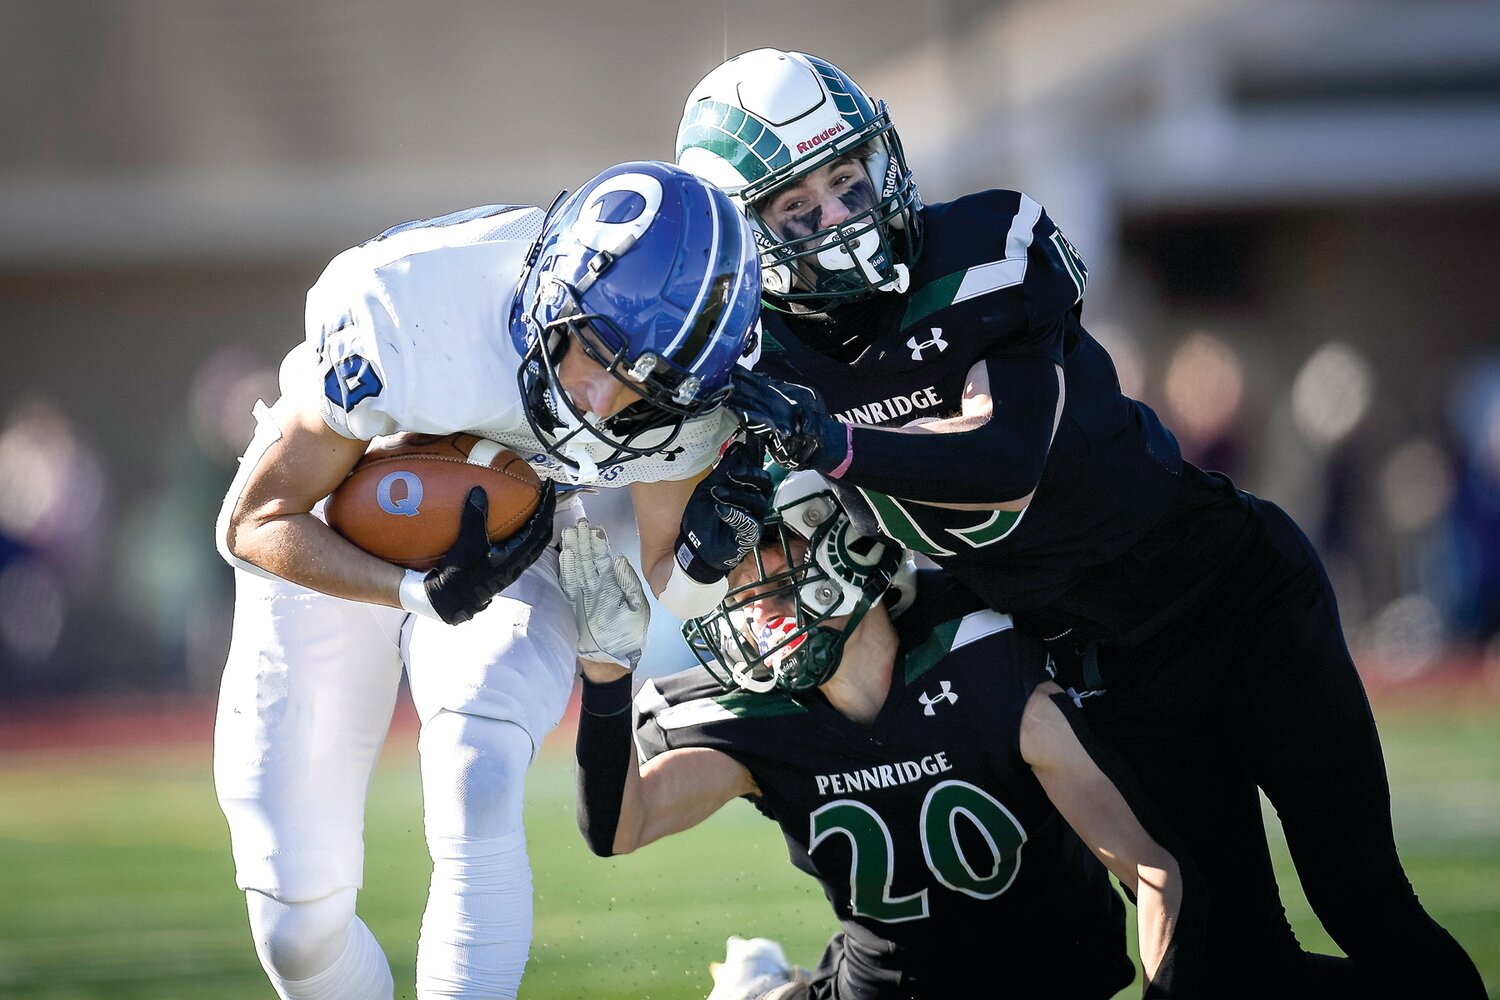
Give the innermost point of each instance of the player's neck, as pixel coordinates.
(844, 332)
(859, 687)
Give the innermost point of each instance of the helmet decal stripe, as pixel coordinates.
(712, 275)
(848, 98)
(736, 135)
(732, 255)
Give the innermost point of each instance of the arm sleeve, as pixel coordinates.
(998, 461)
(604, 754)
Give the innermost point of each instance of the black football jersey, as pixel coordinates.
(997, 279)
(936, 846)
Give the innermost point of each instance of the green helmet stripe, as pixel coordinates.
(850, 101)
(746, 142)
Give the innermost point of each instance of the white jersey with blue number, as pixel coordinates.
(409, 332)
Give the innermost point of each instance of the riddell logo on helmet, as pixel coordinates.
(821, 137)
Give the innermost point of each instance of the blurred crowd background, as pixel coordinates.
(1290, 212)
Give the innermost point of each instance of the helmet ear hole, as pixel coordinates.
(777, 279)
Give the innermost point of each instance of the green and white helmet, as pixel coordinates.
(767, 118)
(812, 565)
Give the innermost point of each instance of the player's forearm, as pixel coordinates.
(991, 454)
(303, 550)
(1171, 915)
(601, 672)
(982, 466)
(659, 572)
(658, 516)
(1101, 800)
(265, 522)
(1158, 895)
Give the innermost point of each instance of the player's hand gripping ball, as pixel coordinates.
(404, 500)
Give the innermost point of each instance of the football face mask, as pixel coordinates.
(777, 628)
(653, 275)
(769, 121)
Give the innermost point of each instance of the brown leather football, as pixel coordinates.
(404, 499)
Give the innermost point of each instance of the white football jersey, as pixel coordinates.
(410, 332)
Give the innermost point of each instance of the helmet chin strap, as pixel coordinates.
(575, 448)
(588, 470)
(839, 247)
(746, 679)
(816, 658)
(903, 279)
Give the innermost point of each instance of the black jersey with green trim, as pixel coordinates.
(996, 280)
(935, 844)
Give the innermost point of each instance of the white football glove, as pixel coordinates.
(609, 604)
(752, 969)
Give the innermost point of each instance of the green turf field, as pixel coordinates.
(115, 879)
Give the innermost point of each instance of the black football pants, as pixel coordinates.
(1255, 687)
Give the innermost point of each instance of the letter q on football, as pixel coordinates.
(404, 500)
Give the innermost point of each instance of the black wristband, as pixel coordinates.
(604, 754)
(697, 570)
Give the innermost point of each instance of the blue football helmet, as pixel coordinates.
(653, 272)
(812, 565)
(764, 120)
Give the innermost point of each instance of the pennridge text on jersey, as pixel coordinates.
(902, 772)
(892, 407)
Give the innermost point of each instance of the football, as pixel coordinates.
(404, 499)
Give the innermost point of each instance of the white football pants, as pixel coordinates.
(304, 707)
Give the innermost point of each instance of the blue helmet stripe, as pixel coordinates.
(732, 255)
(745, 292)
(711, 272)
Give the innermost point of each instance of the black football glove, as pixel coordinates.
(721, 521)
(473, 571)
(799, 431)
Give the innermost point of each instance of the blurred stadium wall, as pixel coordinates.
(1289, 211)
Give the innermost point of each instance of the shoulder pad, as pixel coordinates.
(1006, 239)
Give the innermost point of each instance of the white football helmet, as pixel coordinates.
(767, 118)
(825, 569)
